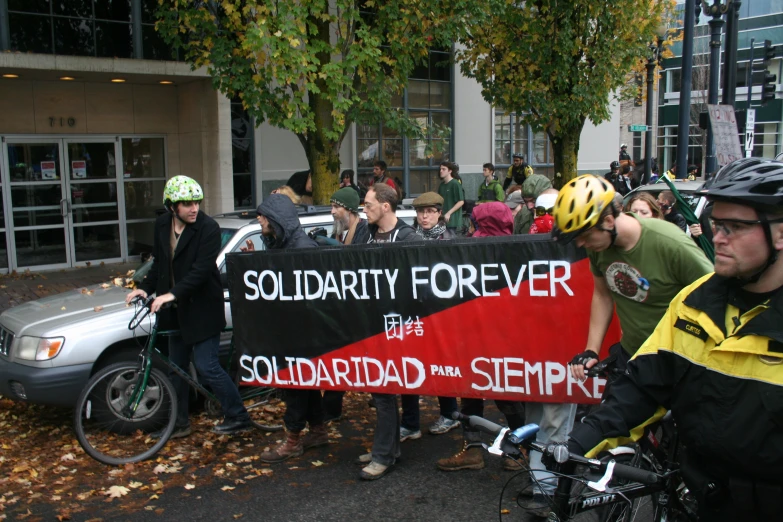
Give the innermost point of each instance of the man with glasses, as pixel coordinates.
(715, 360)
(638, 266)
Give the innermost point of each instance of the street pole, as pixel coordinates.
(683, 125)
(715, 10)
(749, 77)
(730, 56)
(652, 63)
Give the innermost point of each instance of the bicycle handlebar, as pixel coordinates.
(557, 452)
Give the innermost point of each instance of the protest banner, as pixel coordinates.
(493, 318)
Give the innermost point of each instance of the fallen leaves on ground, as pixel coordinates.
(116, 491)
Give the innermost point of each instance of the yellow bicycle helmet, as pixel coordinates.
(579, 206)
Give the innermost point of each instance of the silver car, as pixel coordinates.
(50, 347)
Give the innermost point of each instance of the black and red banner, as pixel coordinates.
(490, 318)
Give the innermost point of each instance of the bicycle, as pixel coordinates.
(625, 489)
(124, 403)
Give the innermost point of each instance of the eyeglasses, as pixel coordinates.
(735, 227)
(541, 211)
(427, 210)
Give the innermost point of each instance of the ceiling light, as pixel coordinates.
(166, 82)
(118, 80)
(67, 78)
(10, 76)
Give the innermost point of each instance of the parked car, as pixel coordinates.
(690, 191)
(50, 347)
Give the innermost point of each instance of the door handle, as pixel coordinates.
(65, 207)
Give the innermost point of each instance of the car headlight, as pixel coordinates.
(38, 348)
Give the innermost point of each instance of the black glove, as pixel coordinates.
(582, 358)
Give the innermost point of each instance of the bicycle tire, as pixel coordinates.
(106, 433)
(250, 393)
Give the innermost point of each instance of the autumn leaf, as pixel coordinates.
(160, 468)
(227, 488)
(317, 463)
(67, 457)
(116, 491)
(189, 486)
(135, 485)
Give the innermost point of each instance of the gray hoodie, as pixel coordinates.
(283, 217)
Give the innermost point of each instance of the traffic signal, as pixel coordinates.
(769, 52)
(768, 87)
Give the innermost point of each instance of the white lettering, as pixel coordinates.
(313, 295)
(283, 297)
(512, 373)
(467, 280)
(416, 281)
(532, 276)
(554, 279)
(300, 362)
(515, 287)
(271, 275)
(252, 286)
(420, 373)
(391, 278)
(475, 369)
(555, 374)
(346, 287)
(330, 286)
(486, 277)
(448, 294)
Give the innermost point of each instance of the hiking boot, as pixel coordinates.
(467, 458)
(290, 447)
(178, 433)
(374, 471)
(315, 436)
(443, 425)
(512, 465)
(406, 434)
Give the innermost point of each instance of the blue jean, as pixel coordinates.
(555, 422)
(410, 410)
(205, 358)
(386, 442)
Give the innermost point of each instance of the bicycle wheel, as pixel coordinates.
(103, 427)
(254, 397)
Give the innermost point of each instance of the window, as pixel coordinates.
(144, 175)
(765, 141)
(101, 28)
(636, 151)
(242, 156)
(667, 147)
(513, 136)
(427, 100)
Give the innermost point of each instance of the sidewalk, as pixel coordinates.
(27, 286)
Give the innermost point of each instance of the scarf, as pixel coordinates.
(433, 233)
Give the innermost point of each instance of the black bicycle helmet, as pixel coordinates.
(614, 165)
(756, 183)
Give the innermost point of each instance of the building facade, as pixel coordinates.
(759, 20)
(96, 113)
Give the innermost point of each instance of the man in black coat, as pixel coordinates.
(184, 272)
(280, 229)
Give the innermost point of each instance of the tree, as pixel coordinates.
(314, 66)
(558, 63)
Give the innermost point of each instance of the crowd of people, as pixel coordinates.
(701, 339)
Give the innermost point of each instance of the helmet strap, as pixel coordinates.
(773, 254)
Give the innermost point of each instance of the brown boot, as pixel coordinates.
(316, 436)
(467, 458)
(291, 447)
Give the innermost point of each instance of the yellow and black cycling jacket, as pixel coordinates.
(721, 374)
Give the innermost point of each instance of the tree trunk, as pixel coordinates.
(565, 146)
(324, 167)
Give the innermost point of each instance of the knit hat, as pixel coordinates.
(347, 198)
(514, 199)
(428, 199)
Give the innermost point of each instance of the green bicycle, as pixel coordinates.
(124, 403)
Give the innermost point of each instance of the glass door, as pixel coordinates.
(93, 202)
(34, 192)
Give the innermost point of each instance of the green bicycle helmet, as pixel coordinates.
(181, 188)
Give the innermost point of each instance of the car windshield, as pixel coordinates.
(141, 271)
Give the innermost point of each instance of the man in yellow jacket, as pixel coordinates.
(716, 360)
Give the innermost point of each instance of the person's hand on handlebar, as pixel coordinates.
(133, 295)
(580, 363)
(160, 301)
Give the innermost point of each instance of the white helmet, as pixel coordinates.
(624, 146)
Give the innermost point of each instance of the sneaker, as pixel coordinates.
(443, 425)
(364, 459)
(539, 505)
(406, 434)
(374, 471)
(230, 427)
(178, 433)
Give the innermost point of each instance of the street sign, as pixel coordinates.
(638, 128)
(750, 125)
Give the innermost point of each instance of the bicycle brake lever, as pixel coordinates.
(601, 484)
(495, 448)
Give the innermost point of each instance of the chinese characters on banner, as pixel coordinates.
(725, 133)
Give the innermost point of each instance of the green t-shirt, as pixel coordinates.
(452, 193)
(664, 258)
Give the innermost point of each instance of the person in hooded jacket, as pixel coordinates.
(489, 219)
(531, 189)
(280, 229)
